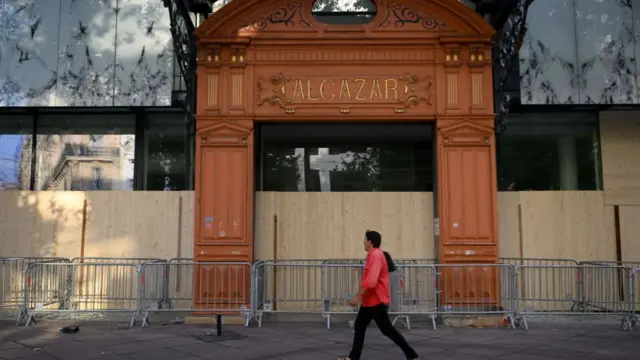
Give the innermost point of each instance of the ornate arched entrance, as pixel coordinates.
(417, 60)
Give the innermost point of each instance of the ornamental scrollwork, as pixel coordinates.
(398, 15)
(289, 15)
(415, 95)
(278, 98)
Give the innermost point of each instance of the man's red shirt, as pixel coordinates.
(375, 279)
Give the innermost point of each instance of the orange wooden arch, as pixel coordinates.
(417, 60)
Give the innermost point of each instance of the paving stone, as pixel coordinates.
(201, 349)
(311, 341)
(137, 347)
(20, 353)
(162, 354)
(9, 345)
(75, 351)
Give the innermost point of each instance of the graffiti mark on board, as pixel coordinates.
(222, 234)
(236, 223)
(208, 222)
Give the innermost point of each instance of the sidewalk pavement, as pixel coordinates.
(310, 341)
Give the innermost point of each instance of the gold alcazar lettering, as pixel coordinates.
(287, 91)
(358, 89)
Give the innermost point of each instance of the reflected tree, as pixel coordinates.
(19, 18)
(285, 165)
(343, 6)
(361, 168)
(605, 43)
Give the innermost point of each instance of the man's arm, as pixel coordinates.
(371, 280)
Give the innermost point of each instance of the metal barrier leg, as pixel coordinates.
(136, 315)
(522, 322)
(512, 321)
(433, 322)
(404, 319)
(145, 319)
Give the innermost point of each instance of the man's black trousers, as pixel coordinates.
(380, 315)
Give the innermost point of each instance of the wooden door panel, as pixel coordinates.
(224, 216)
(467, 207)
(223, 286)
(470, 285)
(224, 195)
(468, 197)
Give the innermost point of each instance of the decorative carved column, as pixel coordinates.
(236, 100)
(224, 208)
(209, 65)
(467, 198)
(467, 185)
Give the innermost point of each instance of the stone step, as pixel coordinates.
(478, 321)
(211, 320)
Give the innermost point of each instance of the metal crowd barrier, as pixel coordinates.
(12, 280)
(340, 282)
(419, 288)
(108, 260)
(287, 286)
(74, 288)
(413, 292)
(471, 289)
(635, 301)
(571, 290)
(224, 287)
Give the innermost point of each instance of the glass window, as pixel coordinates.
(354, 157)
(15, 151)
(549, 152)
(165, 162)
(85, 152)
(549, 70)
(344, 11)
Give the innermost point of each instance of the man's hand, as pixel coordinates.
(355, 300)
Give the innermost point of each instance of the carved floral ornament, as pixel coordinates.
(289, 15)
(396, 16)
(401, 92)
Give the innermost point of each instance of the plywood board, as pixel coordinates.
(302, 230)
(133, 224)
(630, 233)
(509, 224)
(565, 225)
(620, 143)
(40, 223)
(332, 225)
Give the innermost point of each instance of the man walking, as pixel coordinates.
(374, 299)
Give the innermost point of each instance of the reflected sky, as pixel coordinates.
(10, 155)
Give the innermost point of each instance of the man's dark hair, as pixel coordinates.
(374, 237)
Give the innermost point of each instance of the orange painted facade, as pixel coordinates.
(417, 60)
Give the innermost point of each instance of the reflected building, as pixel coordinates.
(85, 162)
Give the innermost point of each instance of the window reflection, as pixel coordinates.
(387, 167)
(166, 164)
(549, 152)
(15, 152)
(344, 11)
(85, 152)
(347, 158)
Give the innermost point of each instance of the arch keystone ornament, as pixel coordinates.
(415, 61)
